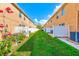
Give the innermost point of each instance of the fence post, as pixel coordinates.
(68, 31)
(53, 30)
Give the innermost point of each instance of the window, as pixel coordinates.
(62, 24)
(51, 31)
(63, 12)
(51, 21)
(24, 18)
(59, 24)
(19, 24)
(57, 16)
(20, 15)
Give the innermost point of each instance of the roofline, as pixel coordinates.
(55, 13)
(16, 6)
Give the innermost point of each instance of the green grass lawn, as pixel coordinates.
(42, 44)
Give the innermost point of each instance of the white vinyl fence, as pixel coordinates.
(25, 30)
(48, 30)
(58, 31)
(19, 29)
(32, 29)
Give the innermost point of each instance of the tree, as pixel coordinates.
(39, 27)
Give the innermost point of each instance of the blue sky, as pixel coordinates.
(39, 12)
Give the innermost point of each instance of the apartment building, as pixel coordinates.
(11, 17)
(66, 15)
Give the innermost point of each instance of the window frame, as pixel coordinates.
(63, 12)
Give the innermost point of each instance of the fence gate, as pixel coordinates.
(60, 31)
(48, 30)
(19, 29)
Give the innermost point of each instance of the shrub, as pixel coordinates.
(20, 36)
(5, 47)
(6, 44)
(16, 37)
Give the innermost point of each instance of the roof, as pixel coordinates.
(55, 12)
(16, 6)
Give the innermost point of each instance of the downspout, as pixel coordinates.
(76, 24)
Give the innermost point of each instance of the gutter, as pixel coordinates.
(17, 7)
(62, 5)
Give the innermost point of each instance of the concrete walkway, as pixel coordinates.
(70, 42)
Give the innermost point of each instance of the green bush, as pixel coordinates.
(16, 37)
(5, 47)
(20, 36)
(6, 44)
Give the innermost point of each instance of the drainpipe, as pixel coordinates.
(76, 26)
(53, 30)
(68, 31)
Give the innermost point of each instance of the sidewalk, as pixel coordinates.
(70, 42)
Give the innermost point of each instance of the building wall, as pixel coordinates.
(77, 11)
(13, 19)
(10, 18)
(77, 8)
(70, 18)
(29, 23)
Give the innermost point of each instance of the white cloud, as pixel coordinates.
(57, 7)
(49, 15)
(44, 20)
(41, 21)
(36, 20)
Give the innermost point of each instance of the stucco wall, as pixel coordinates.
(13, 19)
(69, 17)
